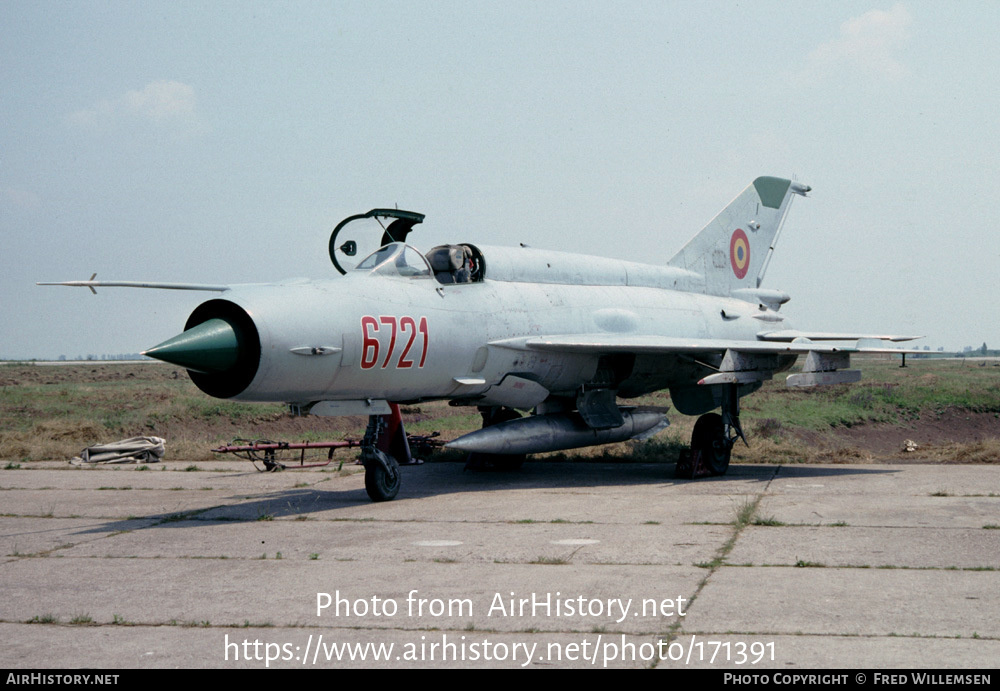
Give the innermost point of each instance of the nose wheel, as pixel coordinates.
(384, 442)
(382, 477)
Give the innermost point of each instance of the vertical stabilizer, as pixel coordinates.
(733, 250)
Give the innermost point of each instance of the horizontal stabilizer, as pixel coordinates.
(773, 299)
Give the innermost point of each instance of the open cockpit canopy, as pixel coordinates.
(393, 225)
(449, 264)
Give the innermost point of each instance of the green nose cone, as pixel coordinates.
(210, 347)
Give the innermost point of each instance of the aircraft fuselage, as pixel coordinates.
(406, 338)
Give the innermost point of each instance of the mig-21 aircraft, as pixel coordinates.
(559, 336)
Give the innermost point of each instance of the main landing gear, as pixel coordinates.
(715, 435)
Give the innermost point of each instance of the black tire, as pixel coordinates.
(709, 439)
(382, 485)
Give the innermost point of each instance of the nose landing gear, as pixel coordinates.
(383, 448)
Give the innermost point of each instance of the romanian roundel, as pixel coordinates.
(739, 253)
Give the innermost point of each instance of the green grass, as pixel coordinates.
(666, 446)
(43, 619)
(746, 512)
(450, 423)
(887, 393)
(768, 521)
(55, 412)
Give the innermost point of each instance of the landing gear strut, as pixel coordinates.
(714, 435)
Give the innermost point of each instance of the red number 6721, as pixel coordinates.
(372, 345)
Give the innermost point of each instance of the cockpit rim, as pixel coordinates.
(381, 262)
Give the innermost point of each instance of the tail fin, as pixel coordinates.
(732, 252)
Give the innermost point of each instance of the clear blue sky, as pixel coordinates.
(222, 141)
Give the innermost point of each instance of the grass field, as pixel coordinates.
(949, 408)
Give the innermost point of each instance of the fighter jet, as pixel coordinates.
(544, 344)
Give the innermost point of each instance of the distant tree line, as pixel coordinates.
(967, 351)
(981, 351)
(106, 356)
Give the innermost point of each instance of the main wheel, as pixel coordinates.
(382, 477)
(709, 438)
